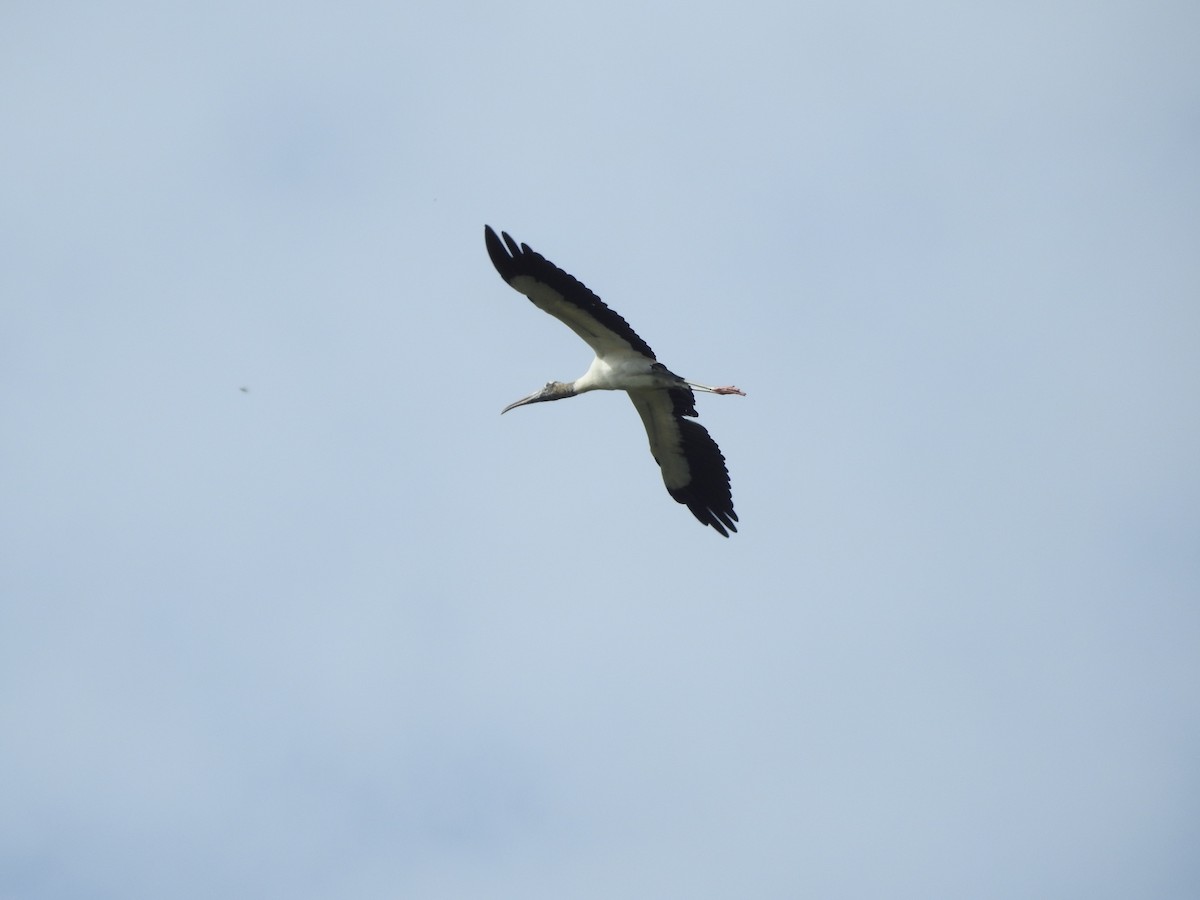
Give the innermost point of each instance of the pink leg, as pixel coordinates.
(716, 390)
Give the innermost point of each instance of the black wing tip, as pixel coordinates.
(710, 500)
(503, 258)
(720, 519)
(708, 494)
(508, 256)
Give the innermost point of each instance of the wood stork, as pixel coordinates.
(693, 468)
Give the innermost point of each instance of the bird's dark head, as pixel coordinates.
(555, 390)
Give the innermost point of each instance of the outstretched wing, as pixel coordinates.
(693, 468)
(563, 296)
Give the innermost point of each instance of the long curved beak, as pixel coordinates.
(536, 397)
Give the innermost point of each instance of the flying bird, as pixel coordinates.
(693, 468)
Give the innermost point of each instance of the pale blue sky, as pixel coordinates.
(352, 634)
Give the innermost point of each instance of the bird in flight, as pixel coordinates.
(693, 468)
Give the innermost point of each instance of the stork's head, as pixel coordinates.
(554, 390)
